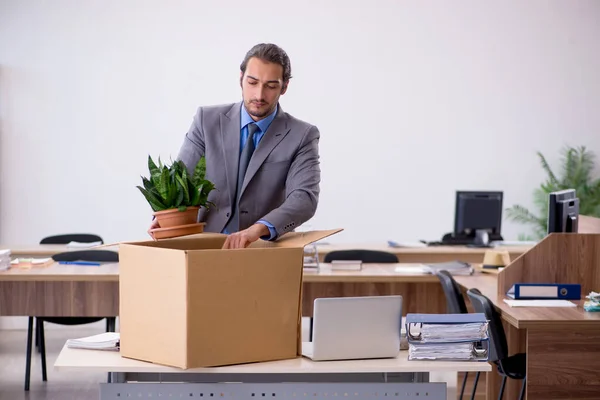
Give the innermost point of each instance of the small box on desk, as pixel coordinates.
(187, 303)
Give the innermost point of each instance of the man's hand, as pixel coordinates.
(153, 225)
(242, 239)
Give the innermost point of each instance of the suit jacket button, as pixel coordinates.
(227, 215)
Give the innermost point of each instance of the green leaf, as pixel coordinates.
(147, 184)
(183, 189)
(546, 167)
(163, 185)
(152, 166)
(199, 172)
(154, 202)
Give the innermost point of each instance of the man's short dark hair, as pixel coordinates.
(270, 53)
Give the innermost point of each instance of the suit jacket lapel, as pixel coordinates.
(274, 135)
(230, 137)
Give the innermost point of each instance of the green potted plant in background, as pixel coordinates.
(577, 172)
(175, 196)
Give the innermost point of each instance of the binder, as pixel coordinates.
(539, 291)
(448, 336)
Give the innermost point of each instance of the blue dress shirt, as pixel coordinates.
(263, 125)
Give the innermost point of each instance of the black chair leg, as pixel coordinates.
(111, 324)
(522, 396)
(42, 349)
(502, 388)
(462, 389)
(310, 332)
(36, 337)
(475, 386)
(28, 360)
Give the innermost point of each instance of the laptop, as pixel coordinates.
(350, 328)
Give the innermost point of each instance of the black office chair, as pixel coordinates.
(84, 255)
(72, 237)
(455, 304)
(366, 256)
(514, 366)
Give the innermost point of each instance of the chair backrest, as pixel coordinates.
(498, 343)
(366, 256)
(454, 299)
(87, 255)
(71, 237)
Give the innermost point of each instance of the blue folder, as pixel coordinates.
(545, 291)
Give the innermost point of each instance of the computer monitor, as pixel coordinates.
(563, 211)
(478, 213)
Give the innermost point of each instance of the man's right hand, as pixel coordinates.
(153, 225)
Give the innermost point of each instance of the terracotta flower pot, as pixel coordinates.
(174, 217)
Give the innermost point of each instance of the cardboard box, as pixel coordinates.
(187, 303)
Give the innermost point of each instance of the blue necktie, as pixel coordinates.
(234, 221)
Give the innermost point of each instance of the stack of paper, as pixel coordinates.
(31, 262)
(83, 245)
(461, 337)
(103, 341)
(459, 352)
(4, 260)
(311, 257)
(453, 267)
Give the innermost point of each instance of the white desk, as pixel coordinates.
(295, 378)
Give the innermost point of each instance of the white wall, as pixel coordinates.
(414, 100)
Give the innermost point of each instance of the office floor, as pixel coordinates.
(60, 386)
(72, 386)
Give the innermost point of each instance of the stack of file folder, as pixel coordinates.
(457, 337)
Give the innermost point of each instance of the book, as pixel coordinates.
(105, 341)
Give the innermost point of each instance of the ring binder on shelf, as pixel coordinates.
(539, 291)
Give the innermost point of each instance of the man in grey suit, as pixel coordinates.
(263, 161)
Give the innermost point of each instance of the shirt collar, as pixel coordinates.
(263, 124)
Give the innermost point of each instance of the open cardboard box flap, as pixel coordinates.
(288, 240)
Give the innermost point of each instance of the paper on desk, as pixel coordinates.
(540, 303)
(103, 341)
(82, 245)
(31, 262)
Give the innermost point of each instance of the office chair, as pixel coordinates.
(72, 237)
(366, 256)
(455, 304)
(514, 366)
(84, 255)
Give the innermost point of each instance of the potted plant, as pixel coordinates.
(577, 172)
(174, 195)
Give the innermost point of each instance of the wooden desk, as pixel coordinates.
(38, 250)
(562, 346)
(76, 290)
(60, 291)
(429, 254)
(558, 341)
(297, 377)
(71, 360)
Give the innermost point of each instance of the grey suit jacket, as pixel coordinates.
(281, 185)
